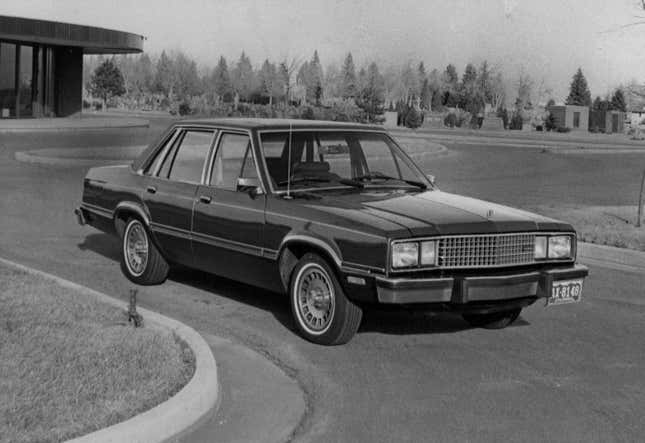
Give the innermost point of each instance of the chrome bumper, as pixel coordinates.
(468, 289)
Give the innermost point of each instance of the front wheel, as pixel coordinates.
(494, 320)
(141, 261)
(322, 312)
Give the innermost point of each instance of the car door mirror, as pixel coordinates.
(250, 185)
(432, 178)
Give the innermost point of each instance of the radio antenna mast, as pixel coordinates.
(289, 165)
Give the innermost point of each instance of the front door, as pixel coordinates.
(228, 219)
(170, 191)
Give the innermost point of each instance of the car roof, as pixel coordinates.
(271, 123)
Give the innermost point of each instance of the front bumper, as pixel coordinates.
(461, 290)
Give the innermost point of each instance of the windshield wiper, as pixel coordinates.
(351, 182)
(304, 180)
(380, 176)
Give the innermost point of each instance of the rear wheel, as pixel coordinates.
(322, 312)
(141, 261)
(494, 320)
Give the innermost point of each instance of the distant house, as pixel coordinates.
(635, 116)
(607, 121)
(573, 117)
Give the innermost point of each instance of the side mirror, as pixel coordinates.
(432, 178)
(250, 185)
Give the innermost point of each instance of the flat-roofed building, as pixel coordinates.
(41, 64)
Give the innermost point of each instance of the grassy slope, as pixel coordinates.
(605, 225)
(69, 365)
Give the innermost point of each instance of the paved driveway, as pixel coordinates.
(569, 373)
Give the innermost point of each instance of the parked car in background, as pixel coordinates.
(336, 215)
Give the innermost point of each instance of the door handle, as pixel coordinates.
(205, 199)
(151, 189)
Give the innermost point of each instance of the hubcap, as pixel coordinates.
(136, 248)
(315, 298)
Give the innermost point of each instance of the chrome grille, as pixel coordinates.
(477, 251)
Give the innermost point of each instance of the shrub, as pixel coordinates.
(564, 130)
(307, 114)
(184, 109)
(516, 122)
(450, 120)
(503, 114)
(550, 124)
(413, 119)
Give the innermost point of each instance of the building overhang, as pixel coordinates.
(92, 40)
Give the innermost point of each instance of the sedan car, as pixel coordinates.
(335, 215)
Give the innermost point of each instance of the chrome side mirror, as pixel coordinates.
(432, 179)
(250, 185)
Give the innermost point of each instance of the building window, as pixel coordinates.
(576, 119)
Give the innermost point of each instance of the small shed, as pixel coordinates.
(573, 117)
(608, 122)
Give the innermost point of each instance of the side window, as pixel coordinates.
(186, 161)
(234, 159)
(153, 166)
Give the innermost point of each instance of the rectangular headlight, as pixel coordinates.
(560, 246)
(405, 255)
(429, 253)
(540, 247)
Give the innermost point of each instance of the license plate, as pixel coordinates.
(565, 291)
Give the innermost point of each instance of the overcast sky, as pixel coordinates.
(548, 39)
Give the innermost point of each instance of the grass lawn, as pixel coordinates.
(70, 365)
(604, 225)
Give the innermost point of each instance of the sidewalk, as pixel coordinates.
(82, 122)
(612, 143)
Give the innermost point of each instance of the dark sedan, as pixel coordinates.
(336, 215)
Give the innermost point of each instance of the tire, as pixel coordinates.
(141, 261)
(321, 311)
(494, 320)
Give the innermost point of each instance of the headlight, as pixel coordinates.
(405, 255)
(560, 246)
(429, 253)
(540, 247)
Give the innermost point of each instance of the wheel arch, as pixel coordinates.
(126, 210)
(294, 246)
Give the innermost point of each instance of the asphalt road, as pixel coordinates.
(568, 373)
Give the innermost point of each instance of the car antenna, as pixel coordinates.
(288, 196)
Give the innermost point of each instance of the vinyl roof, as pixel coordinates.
(271, 123)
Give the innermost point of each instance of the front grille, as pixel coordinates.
(480, 251)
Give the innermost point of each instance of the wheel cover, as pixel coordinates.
(314, 299)
(135, 248)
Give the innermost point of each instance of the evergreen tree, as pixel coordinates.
(107, 81)
(268, 80)
(426, 95)
(165, 75)
(315, 90)
(372, 94)
(579, 91)
(221, 81)
(597, 103)
(618, 101)
(348, 78)
(243, 78)
(187, 82)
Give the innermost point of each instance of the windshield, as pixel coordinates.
(312, 160)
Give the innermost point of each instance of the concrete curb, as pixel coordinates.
(194, 403)
(611, 257)
(108, 155)
(71, 124)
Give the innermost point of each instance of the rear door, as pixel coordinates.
(228, 220)
(170, 190)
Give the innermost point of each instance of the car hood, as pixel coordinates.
(435, 213)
